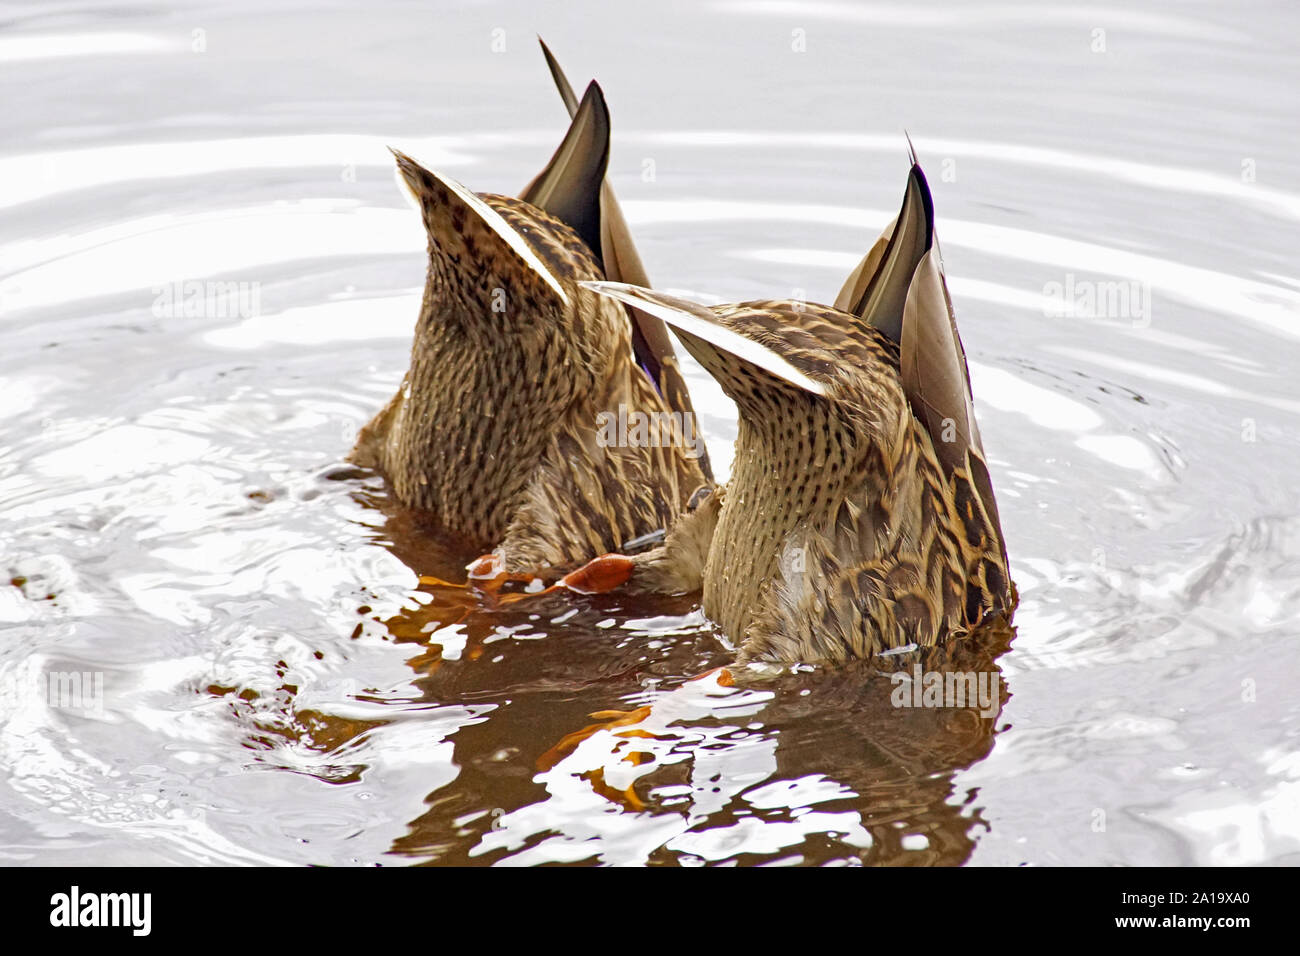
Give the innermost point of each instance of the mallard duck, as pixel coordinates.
(495, 433)
(859, 516)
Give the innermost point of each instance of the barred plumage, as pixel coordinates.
(494, 432)
(859, 515)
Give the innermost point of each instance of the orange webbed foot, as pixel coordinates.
(600, 575)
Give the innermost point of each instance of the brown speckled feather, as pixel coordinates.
(848, 526)
(494, 431)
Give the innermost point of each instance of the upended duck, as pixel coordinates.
(860, 515)
(493, 432)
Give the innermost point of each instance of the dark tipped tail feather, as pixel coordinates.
(651, 343)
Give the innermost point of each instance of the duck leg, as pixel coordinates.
(649, 572)
(598, 576)
(675, 567)
(487, 577)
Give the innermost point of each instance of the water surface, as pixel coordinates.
(178, 525)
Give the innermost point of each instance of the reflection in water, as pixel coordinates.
(816, 765)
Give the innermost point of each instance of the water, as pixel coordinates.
(263, 681)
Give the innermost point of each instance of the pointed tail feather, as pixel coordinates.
(899, 288)
(569, 187)
(470, 234)
(650, 340)
(879, 299)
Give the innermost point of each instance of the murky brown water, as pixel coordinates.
(264, 682)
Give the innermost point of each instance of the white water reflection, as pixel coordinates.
(1274, 306)
(27, 177)
(17, 48)
(1088, 165)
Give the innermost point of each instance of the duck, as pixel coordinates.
(495, 436)
(859, 517)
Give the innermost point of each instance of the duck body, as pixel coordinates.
(495, 432)
(840, 535)
(859, 516)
